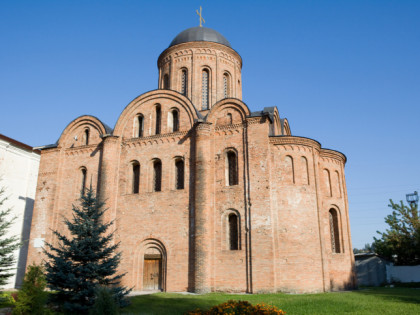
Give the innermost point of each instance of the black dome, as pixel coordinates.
(199, 34)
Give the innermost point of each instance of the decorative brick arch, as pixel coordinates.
(156, 97)
(227, 103)
(275, 125)
(77, 128)
(285, 127)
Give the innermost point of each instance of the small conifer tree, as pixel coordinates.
(8, 244)
(32, 297)
(104, 303)
(84, 260)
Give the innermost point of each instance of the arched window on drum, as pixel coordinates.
(166, 82)
(226, 85)
(205, 77)
(184, 82)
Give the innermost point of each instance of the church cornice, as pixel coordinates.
(82, 149)
(230, 127)
(281, 140)
(155, 139)
(255, 120)
(51, 150)
(332, 154)
(323, 153)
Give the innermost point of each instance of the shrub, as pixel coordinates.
(105, 303)
(7, 299)
(31, 299)
(240, 307)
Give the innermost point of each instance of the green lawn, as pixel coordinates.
(365, 301)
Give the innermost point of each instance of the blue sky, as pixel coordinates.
(346, 73)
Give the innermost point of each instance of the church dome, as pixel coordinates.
(200, 34)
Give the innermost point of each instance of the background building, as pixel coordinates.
(206, 195)
(19, 165)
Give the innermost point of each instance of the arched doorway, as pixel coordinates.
(152, 270)
(150, 266)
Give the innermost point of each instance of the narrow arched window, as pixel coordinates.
(83, 184)
(226, 85)
(136, 178)
(337, 184)
(305, 171)
(86, 136)
(229, 118)
(184, 82)
(327, 180)
(175, 120)
(290, 169)
(166, 82)
(233, 232)
(157, 175)
(205, 89)
(179, 174)
(335, 232)
(158, 119)
(232, 168)
(139, 126)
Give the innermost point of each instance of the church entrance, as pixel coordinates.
(151, 266)
(152, 272)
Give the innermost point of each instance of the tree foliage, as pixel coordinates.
(32, 297)
(401, 242)
(367, 249)
(8, 244)
(84, 260)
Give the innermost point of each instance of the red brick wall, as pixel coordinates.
(282, 198)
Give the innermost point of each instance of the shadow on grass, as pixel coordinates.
(406, 295)
(164, 304)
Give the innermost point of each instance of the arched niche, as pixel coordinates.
(150, 266)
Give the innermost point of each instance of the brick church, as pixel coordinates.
(206, 195)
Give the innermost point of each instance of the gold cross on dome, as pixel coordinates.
(201, 17)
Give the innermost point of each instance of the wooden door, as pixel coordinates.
(152, 274)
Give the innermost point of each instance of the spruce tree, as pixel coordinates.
(85, 259)
(8, 244)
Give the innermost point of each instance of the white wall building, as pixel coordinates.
(19, 165)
